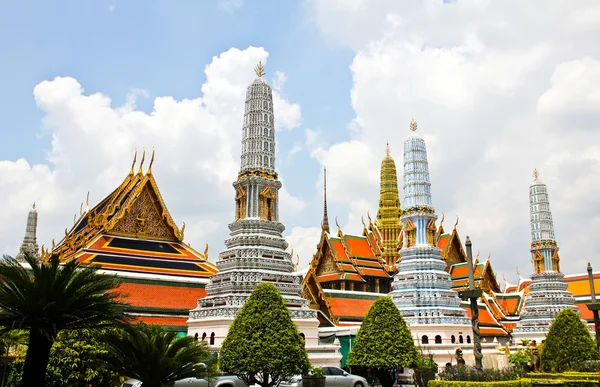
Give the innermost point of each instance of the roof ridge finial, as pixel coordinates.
(133, 164)
(387, 148)
(140, 171)
(33, 206)
(149, 171)
(456, 224)
(536, 174)
(325, 223)
(413, 124)
(259, 69)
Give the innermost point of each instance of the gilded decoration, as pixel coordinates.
(240, 203)
(257, 172)
(267, 203)
(538, 262)
(430, 232)
(411, 233)
(555, 261)
(143, 219)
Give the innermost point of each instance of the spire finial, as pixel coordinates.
(325, 223)
(33, 207)
(140, 171)
(536, 174)
(517, 270)
(259, 70)
(456, 224)
(133, 164)
(87, 199)
(149, 172)
(387, 148)
(413, 124)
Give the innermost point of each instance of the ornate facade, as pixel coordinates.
(255, 251)
(548, 293)
(131, 234)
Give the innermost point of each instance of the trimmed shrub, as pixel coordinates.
(461, 383)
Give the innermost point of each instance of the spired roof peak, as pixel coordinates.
(29, 245)
(417, 187)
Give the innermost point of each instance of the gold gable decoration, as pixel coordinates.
(240, 203)
(267, 203)
(555, 261)
(143, 219)
(538, 262)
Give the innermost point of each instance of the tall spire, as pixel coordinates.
(388, 214)
(548, 293)
(422, 289)
(325, 223)
(29, 245)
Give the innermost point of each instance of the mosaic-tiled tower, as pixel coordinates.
(29, 245)
(422, 289)
(255, 251)
(388, 215)
(548, 293)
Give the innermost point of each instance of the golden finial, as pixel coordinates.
(149, 172)
(292, 253)
(413, 124)
(133, 164)
(536, 174)
(81, 209)
(337, 224)
(456, 224)
(74, 218)
(443, 217)
(87, 199)
(387, 148)
(504, 277)
(362, 219)
(369, 217)
(519, 274)
(259, 70)
(140, 172)
(53, 245)
(34, 205)
(297, 260)
(206, 252)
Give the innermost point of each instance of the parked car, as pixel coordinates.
(334, 377)
(226, 380)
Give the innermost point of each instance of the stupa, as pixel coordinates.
(256, 251)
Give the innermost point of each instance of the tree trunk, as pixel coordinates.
(36, 360)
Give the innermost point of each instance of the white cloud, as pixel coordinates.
(197, 143)
(230, 5)
(303, 240)
(485, 81)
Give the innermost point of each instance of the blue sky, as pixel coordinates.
(495, 95)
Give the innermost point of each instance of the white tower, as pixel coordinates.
(29, 245)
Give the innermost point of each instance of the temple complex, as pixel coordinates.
(29, 245)
(548, 293)
(131, 234)
(256, 251)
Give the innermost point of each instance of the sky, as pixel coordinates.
(497, 88)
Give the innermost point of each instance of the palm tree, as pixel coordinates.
(154, 355)
(48, 297)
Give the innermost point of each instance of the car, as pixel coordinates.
(334, 377)
(226, 380)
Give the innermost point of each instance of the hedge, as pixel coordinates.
(505, 383)
(570, 376)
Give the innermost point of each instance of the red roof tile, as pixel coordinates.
(163, 321)
(349, 307)
(359, 246)
(161, 296)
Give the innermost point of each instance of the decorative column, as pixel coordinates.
(29, 245)
(594, 306)
(473, 295)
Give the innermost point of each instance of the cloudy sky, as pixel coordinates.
(497, 88)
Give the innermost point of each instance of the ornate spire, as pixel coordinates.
(325, 223)
(29, 245)
(417, 188)
(388, 215)
(413, 125)
(259, 69)
(543, 244)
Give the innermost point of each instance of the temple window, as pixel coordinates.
(438, 339)
(468, 339)
(452, 339)
(460, 339)
(204, 336)
(196, 336)
(424, 339)
(212, 338)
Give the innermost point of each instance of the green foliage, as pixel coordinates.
(448, 383)
(568, 343)
(316, 371)
(521, 358)
(263, 344)
(49, 297)
(565, 375)
(78, 358)
(383, 340)
(472, 374)
(153, 354)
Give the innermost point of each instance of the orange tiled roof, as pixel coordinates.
(164, 321)
(161, 296)
(359, 246)
(349, 307)
(443, 241)
(509, 302)
(338, 249)
(579, 285)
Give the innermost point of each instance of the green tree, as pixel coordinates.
(263, 345)
(568, 344)
(383, 342)
(78, 358)
(47, 298)
(154, 355)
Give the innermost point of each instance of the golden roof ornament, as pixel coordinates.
(413, 124)
(259, 69)
(387, 148)
(133, 164)
(140, 171)
(536, 174)
(149, 172)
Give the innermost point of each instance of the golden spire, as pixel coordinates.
(133, 164)
(149, 172)
(259, 70)
(413, 124)
(536, 174)
(389, 211)
(140, 171)
(325, 222)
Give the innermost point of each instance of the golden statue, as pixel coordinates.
(413, 124)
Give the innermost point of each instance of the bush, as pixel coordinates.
(571, 376)
(447, 383)
(568, 344)
(463, 373)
